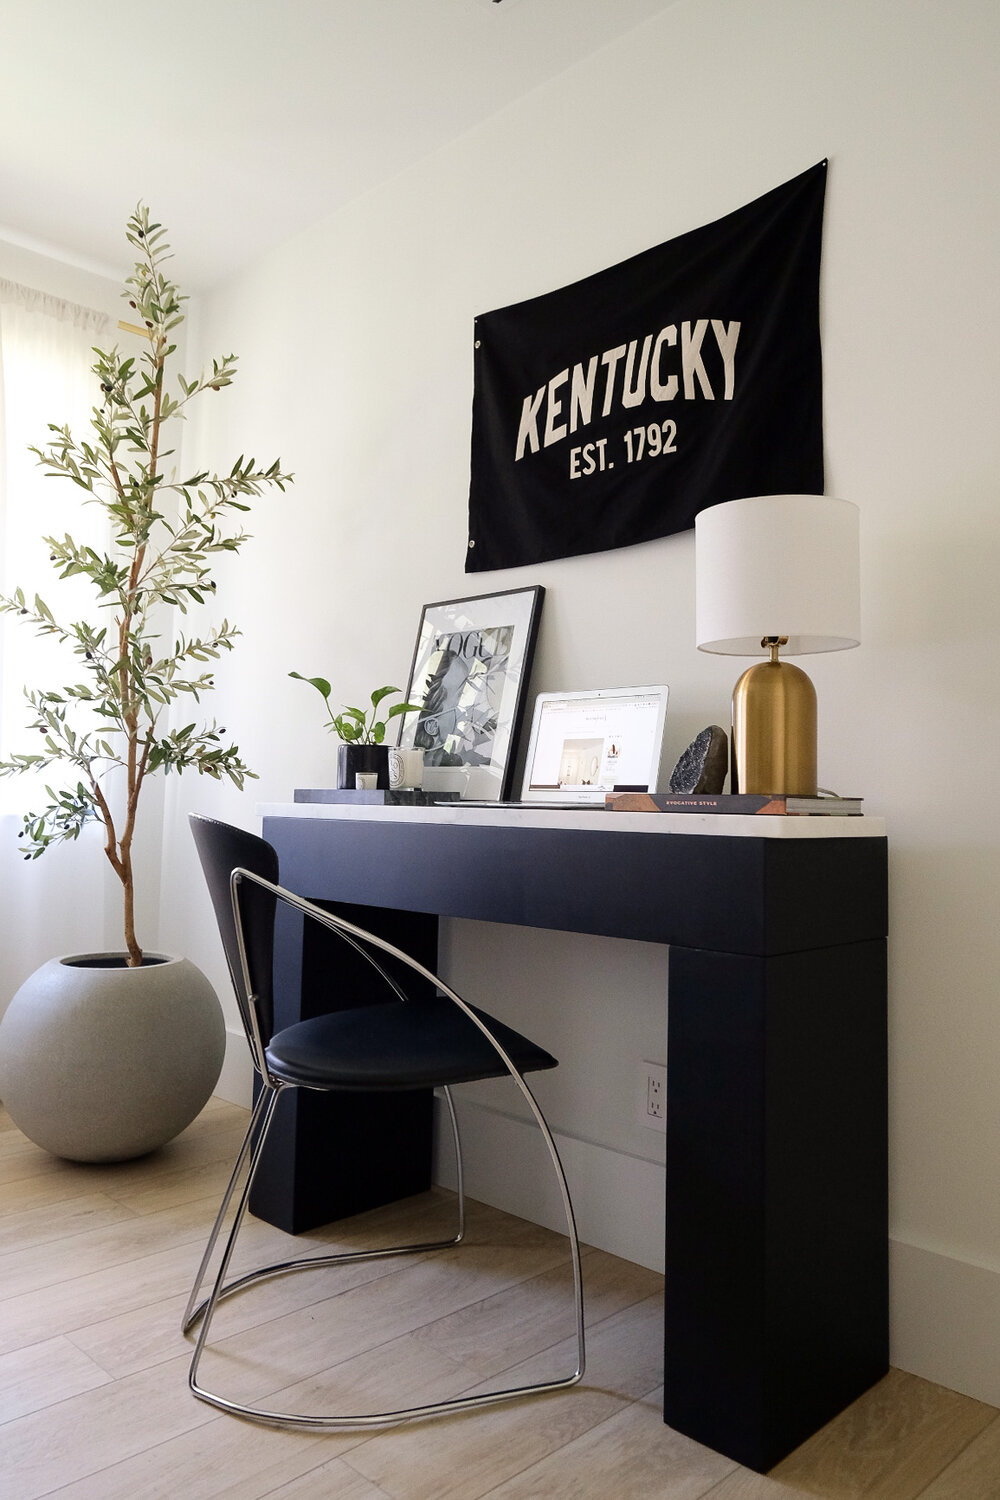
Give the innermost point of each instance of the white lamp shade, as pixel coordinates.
(778, 565)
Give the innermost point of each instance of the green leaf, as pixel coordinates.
(319, 683)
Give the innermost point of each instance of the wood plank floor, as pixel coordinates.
(95, 1265)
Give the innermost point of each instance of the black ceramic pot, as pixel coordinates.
(353, 760)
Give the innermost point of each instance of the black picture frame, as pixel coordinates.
(469, 675)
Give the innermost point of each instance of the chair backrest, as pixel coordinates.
(222, 849)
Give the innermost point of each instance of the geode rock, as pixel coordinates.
(704, 764)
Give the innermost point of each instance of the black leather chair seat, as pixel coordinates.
(399, 1045)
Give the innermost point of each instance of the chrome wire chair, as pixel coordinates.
(400, 1044)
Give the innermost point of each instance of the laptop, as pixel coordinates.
(585, 744)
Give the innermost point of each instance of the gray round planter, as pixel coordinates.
(100, 1062)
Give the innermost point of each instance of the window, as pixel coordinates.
(45, 358)
(51, 905)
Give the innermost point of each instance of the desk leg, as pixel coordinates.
(776, 1310)
(331, 1155)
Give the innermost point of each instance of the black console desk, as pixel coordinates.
(776, 1264)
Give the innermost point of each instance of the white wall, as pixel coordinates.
(355, 341)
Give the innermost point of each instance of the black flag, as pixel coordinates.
(612, 411)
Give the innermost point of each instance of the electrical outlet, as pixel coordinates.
(651, 1099)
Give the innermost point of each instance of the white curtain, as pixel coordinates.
(55, 904)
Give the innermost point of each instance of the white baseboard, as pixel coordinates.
(618, 1200)
(945, 1320)
(236, 1079)
(944, 1312)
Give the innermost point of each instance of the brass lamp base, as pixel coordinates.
(774, 729)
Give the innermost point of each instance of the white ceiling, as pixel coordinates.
(242, 121)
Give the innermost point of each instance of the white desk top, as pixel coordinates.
(590, 820)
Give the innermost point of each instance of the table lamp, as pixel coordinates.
(776, 573)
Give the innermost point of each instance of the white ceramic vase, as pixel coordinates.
(100, 1062)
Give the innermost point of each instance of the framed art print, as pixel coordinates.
(469, 676)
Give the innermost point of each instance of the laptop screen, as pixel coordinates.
(586, 744)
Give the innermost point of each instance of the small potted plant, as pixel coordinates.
(362, 751)
(105, 1056)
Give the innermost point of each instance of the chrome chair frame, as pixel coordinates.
(251, 1151)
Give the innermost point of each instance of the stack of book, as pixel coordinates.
(734, 802)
